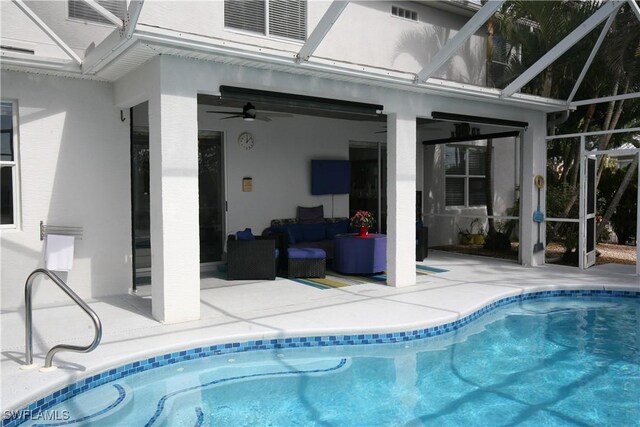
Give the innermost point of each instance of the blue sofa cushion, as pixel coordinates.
(313, 232)
(340, 227)
(306, 253)
(245, 235)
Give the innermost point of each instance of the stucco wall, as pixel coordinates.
(443, 227)
(74, 170)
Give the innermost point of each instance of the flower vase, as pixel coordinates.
(363, 231)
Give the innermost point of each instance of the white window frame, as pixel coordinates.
(267, 34)
(14, 165)
(466, 175)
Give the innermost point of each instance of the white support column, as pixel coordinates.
(173, 159)
(401, 199)
(533, 157)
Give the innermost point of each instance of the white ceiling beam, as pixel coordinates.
(452, 46)
(610, 7)
(595, 133)
(635, 8)
(48, 31)
(133, 14)
(324, 25)
(109, 48)
(606, 99)
(595, 49)
(105, 13)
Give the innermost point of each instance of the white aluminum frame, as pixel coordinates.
(611, 7)
(635, 8)
(133, 14)
(105, 13)
(322, 29)
(592, 55)
(15, 167)
(48, 31)
(583, 156)
(452, 46)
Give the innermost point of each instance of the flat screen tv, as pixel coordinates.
(330, 177)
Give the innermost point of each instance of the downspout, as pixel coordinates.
(555, 119)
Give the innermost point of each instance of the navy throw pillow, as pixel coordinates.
(296, 232)
(314, 232)
(314, 215)
(245, 235)
(340, 227)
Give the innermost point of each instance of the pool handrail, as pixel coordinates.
(28, 319)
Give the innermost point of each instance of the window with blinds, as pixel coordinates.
(465, 176)
(280, 18)
(78, 9)
(288, 18)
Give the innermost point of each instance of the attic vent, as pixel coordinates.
(286, 18)
(404, 13)
(80, 10)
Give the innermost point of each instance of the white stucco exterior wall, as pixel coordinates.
(74, 171)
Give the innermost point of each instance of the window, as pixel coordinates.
(404, 13)
(78, 9)
(8, 166)
(280, 18)
(465, 176)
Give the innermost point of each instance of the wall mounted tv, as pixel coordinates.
(330, 177)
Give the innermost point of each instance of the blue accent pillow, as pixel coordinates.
(285, 230)
(296, 233)
(313, 232)
(340, 227)
(245, 235)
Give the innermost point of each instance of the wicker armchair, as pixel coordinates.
(251, 259)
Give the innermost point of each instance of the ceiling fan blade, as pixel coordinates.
(231, 117)
(262, 118)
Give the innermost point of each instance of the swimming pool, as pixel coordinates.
(555, 361)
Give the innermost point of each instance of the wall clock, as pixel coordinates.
(246, 140)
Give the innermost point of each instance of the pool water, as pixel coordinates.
(558, 361)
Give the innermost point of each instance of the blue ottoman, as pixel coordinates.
(306, 262)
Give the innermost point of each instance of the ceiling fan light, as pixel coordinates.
(248, 119)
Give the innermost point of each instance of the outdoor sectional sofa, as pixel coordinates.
(290, 232)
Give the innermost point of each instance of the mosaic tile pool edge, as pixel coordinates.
(93, 381)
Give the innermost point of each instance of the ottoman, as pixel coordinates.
(306, 262)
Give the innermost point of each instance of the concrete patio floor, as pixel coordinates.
(248, 310)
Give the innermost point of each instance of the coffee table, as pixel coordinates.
(360, 255)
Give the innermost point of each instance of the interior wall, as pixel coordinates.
(73, 171)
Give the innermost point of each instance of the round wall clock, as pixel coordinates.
(246, 141)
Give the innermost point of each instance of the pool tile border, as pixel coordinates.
(37, 407)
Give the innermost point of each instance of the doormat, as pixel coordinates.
(335, 280)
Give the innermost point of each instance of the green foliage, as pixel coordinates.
(623, 220)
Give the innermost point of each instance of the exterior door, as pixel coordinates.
(589, 229)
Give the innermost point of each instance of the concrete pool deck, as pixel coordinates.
(240, 311)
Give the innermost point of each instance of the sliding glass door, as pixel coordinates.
(369, 180)
(210, 194)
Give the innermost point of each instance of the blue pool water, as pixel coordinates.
(558, 361)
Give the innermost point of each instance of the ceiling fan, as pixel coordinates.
(249, 114)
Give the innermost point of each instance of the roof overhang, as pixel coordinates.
(131, 46)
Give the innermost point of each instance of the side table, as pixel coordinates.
(360, 255)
